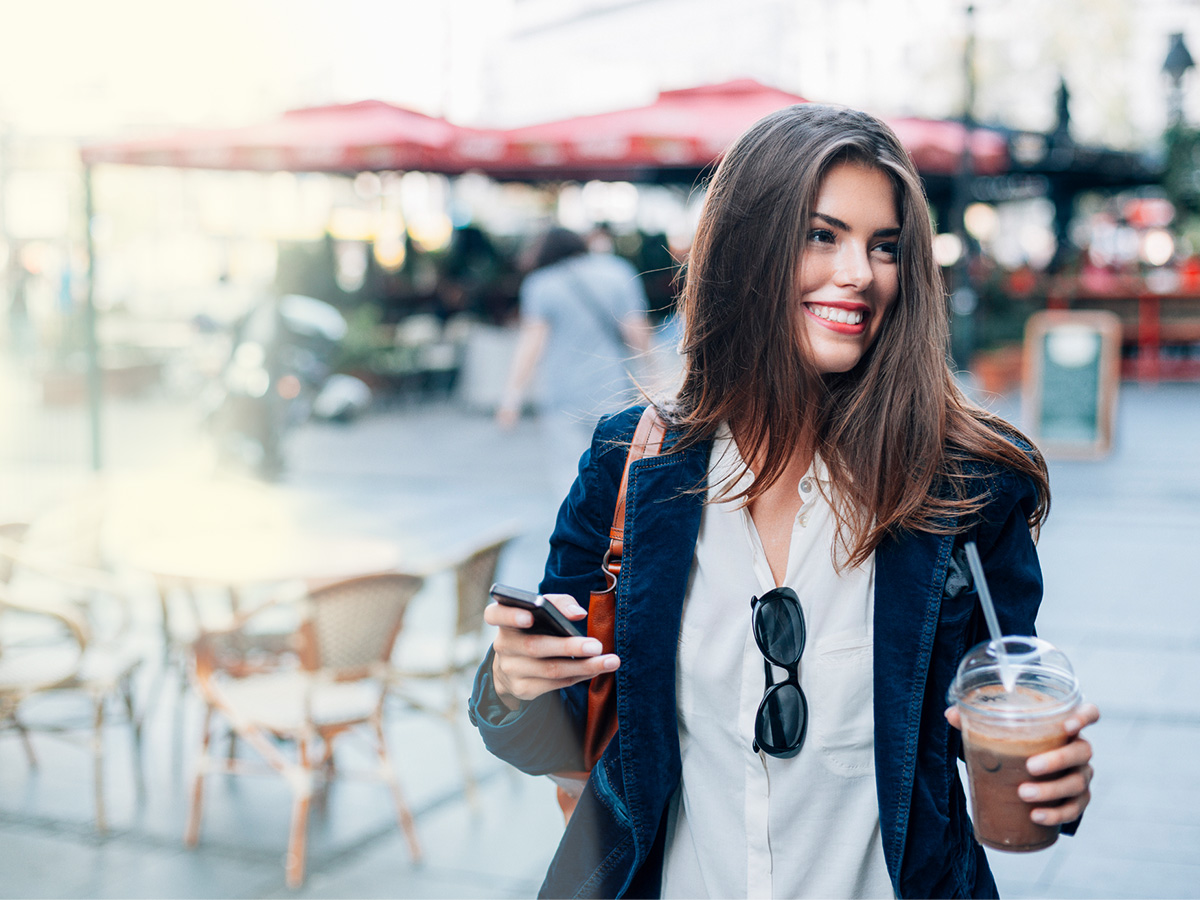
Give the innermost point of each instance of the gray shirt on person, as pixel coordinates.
(584, 370)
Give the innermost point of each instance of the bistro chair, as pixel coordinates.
(66, 629)
(435, 675)
(346, 635)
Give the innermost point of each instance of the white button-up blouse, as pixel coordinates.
(744, 824)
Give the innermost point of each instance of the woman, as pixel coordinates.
(583, 316)
(818, 443)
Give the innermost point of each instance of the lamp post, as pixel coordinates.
(1182, 176)
(1176, 65)
(963, 299)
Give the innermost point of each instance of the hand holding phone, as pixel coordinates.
(524, 668)
(547, 618)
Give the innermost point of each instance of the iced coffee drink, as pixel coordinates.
(1003, 724)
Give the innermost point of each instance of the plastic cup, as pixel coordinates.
(1002, 729)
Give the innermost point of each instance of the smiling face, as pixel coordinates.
(848, 271)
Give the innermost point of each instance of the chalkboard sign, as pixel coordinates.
(1071, 374)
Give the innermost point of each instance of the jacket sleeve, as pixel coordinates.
(1010, 562)
(546, 735)
(1009, 556)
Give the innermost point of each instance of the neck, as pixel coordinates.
(798, 457)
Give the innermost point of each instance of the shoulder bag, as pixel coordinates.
(601, 722)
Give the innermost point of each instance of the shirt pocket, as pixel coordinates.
(841, 704)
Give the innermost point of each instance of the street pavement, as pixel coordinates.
(1121, 567)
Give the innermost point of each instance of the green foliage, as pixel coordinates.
(1006, 301)
(1181, 180)
(366, 343)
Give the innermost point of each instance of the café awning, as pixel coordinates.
(685, 131)
(676, 137)
(355, 137)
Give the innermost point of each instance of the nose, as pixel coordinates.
(853, 268)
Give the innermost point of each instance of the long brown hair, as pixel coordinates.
(896, 434)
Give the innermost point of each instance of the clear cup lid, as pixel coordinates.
(1042, 680)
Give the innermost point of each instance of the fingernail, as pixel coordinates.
(1035, 766)
(1072, 724)
(611, 662)
(593, 647)
(1040, 817)
(1027, 792)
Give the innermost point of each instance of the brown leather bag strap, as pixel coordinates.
(647, 441)
(601, 722)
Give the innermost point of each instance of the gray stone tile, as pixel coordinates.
(1121, 577)
(1137, 841)
(58, 863)
(1100, 875)
(1027, 870)
(1139, 803)
(502, 850)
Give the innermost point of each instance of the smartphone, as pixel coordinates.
(547, 619)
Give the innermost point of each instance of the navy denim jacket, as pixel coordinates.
(925, 619)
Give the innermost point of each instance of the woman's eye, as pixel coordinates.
(821, 236)
(891, 249)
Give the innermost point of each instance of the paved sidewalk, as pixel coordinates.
(1121, 569)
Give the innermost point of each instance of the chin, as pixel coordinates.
(836, 364)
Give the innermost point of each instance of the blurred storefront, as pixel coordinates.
(390, 214)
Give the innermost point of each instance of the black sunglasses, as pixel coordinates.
(779, 631)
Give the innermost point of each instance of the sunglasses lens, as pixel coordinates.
(782, 720)
(779, 628)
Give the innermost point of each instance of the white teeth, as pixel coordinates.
(833, 314)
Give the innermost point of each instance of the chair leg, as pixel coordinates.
(25, 741)
(164, 607)
(135, 723)
(403, 814)
(192, 833)
(297, 840)
(98, 764)
(470, 786)
(328, 772)
(302, 799)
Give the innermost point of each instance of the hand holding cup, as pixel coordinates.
(1028, 767)
(1063, 790)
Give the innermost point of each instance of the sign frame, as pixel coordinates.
(1040, 326)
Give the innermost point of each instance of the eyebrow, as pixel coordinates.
(838, 223)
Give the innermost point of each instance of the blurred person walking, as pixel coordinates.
(794, 594)
(583, 318)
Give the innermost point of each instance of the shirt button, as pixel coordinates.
(805, 486)
(804, 520)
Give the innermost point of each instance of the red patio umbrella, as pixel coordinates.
(936, 146)
(688, 129)
(682, 129)
(354, 137)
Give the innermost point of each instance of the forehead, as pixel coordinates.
(858, 186)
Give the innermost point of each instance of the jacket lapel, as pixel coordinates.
(663, 507)
(910, 574)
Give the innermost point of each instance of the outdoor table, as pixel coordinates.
(233, 536)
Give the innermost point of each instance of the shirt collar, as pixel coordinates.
(728, 464)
